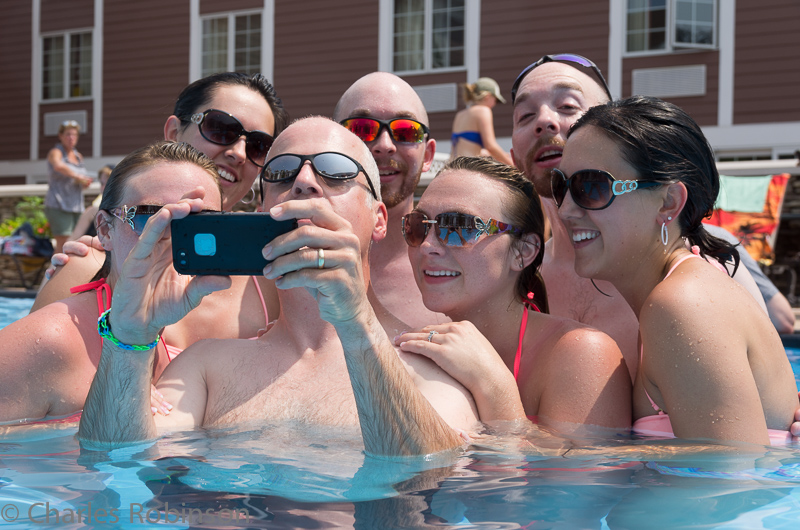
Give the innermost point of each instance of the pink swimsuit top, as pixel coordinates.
(173, 351)
(103, 291)
(522, 326)
(659, 424)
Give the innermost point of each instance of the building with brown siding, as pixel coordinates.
(117, 66)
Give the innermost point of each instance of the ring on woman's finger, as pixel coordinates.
(320, 258)
(431, 334)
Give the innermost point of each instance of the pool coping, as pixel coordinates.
(19, 293)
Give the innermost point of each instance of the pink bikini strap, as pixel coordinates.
(261, 297)
(652, 403)
(688, 256)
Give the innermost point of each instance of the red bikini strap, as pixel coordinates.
(528, 302)
(101, 288)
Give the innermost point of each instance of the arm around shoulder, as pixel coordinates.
(78, 270)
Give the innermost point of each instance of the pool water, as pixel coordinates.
(295, 476)
(12, 309)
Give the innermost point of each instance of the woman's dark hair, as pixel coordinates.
(664, 144)
(195, 96)
(522, 209)
(140, 160)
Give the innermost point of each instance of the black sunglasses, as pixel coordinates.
(452, 229)
(330, 165)
(221, 128)
(561, 58)
(403, 130)
(593, 189)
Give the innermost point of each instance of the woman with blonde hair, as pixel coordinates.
(473, 127)
(67, 179)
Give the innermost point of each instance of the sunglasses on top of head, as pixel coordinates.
(561, 58)
(402, 130)
(329, 165)
(221, 128)
(593, 189)
(452, 229)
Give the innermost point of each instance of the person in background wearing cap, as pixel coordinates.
(67, 179)
(473, 127)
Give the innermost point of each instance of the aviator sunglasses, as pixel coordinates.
(561, 58)
(453, 229)
(221, 128)
(330, 165)
(593, 189)
(135, 216)
(402, 130)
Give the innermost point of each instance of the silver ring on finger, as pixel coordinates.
(431, 334)
(320, 258)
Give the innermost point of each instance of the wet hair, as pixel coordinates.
(140, 160)
(522, 209)
(195, 96)
(664, 144)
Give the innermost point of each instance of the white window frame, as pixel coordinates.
(428, 44)
(66, 35)
(231, 16)
(472, 34)
(670, 45)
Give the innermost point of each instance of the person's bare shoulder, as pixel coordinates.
(47, 362)
(574, 342)
(449, 397)
(586, 378)
(696, 296)
(211, 360)
(77, 271)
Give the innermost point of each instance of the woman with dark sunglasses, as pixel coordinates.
(231, 118)
(50, 356)
(636, 179)
(475, 244)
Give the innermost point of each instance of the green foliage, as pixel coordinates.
(30, 209)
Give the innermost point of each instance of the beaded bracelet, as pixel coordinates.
(104, 330)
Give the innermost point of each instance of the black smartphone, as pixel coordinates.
(224, 243)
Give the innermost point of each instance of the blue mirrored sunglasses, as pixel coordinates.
(135, 216)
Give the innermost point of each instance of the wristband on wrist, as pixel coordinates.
(104, 331)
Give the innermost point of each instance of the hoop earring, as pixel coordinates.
(251, 199)
(664, 233)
